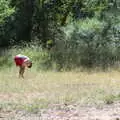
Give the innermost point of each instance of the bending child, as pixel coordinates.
(22, 62)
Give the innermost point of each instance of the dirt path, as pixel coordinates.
(67, 112)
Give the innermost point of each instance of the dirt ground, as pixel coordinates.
(67, 112)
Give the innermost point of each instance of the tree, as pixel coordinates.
(23, 18)
(5, 22)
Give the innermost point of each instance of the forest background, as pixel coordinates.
(61, 34)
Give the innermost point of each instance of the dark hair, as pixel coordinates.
(30, 65)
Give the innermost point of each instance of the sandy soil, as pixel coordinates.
(67, 112)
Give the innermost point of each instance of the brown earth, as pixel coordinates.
(67, 112)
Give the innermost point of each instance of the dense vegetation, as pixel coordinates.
(72, 33)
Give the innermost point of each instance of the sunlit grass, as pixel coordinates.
(44, 88)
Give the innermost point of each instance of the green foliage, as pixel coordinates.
(109, 99)
(88, 43)
(80, 45)
(5, 62)
(6, 16)
(5, 10)
(72, 33)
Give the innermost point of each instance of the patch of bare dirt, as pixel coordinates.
(67, 112)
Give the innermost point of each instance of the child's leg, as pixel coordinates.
(21, 71)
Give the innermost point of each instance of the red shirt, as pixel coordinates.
(20, 59)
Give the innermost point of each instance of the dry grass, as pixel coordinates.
(45, 88)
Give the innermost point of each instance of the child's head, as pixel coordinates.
(29, 64)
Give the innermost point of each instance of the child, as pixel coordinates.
(22, 61)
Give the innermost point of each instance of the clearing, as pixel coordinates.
(60, 95)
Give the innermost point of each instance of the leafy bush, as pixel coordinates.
(89, 43)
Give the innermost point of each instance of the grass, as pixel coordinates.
(40, 89)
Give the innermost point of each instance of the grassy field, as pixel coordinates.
(40, 89)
